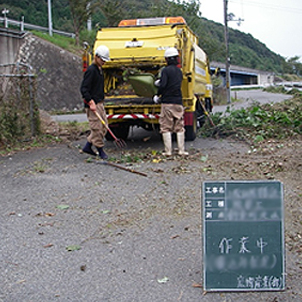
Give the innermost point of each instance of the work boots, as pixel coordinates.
(168, 143)
(87, 149)
(181, 143)
(102, 154)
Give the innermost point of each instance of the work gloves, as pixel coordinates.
(157, 83)
(156, 99)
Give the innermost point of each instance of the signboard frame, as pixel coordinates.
(243, 236)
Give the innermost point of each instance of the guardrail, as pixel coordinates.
(291, 85)
(23, 25)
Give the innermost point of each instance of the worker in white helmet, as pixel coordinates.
(172, 111)
(92, 90)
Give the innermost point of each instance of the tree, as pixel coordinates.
(80, 13)
(293, 66)
(112, 9)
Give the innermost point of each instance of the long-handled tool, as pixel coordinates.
(206, 113)
(122, 168)
(119, 142)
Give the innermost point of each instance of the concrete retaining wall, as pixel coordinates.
(10, 42)
(59, 73)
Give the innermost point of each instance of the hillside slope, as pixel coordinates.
(244, 49)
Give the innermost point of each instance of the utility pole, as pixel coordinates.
(22, 24)
(227, 59)
(89, 21)
(5, 12)
(49, 18)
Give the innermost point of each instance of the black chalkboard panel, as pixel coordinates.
(243, 236)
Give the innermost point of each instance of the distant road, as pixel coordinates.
(245, 99)
(79, 117)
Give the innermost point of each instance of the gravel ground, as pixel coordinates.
(74, 229)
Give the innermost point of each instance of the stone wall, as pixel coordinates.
(59, 74)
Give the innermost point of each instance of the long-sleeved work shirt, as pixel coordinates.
(170, 85)
(92, 87)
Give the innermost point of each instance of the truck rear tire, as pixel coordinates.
(191, 130)
(198, 121)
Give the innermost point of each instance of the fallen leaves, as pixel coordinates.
(45, 215)
(71, 248)
(163, 280)
(156, 161)
(48, 245)
(158, 170)
(181, 169)
(63, 207)
(46, 224)
(105, 212)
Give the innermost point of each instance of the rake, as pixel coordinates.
(206, 113)
(118, 142)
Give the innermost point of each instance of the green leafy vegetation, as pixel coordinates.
(257, 123)
(19, 115)
(61, 41)
(10, 126)
(282, 89)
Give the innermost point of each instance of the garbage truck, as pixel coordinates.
(137, 48)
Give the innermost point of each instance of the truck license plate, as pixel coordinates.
(134, 44)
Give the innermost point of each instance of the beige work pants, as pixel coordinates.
(171, 118)
(98, 130)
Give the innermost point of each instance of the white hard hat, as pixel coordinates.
(102, 51)
(171, 52)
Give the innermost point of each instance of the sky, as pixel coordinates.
(276, 23)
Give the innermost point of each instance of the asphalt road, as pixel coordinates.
(247, 97)
(75, 229)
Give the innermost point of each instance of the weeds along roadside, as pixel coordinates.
(259, 122)
(279, 121)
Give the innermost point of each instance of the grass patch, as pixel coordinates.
(61, 41)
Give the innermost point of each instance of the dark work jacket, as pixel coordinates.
(170, 85)
(92, 87)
